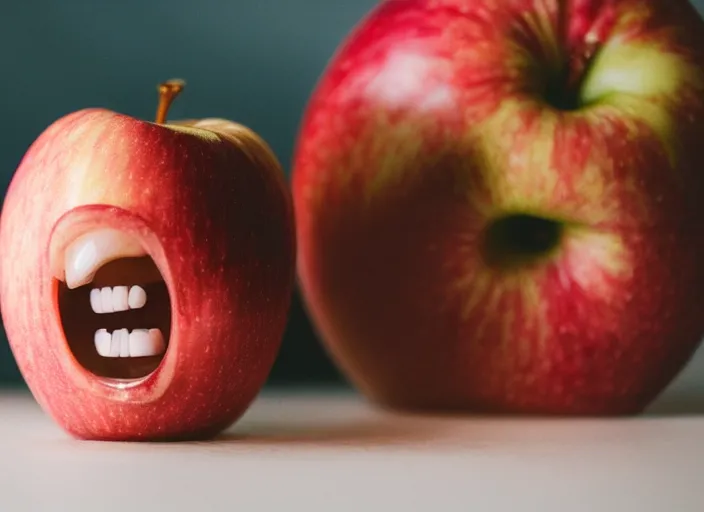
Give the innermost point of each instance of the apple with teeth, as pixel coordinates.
(499, 203)
(146, 271)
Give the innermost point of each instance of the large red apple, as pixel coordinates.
(146, 271)
(500, 203)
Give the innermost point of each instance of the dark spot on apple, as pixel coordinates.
(561, 97)
(520, 239)
(80, 323)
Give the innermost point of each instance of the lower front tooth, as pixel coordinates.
(102, 342)
(145, 343)
(115, 344)
(124, 342)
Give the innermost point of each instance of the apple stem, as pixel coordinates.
(167, 93)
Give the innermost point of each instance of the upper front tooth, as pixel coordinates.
(96, 302)
(88, 253)
(106, 299)
(137, 297)
(118, 298)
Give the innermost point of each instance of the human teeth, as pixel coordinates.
(137, 297)
(122, 343)
(118, 298)
(139, 339)
(96, 302)
(102, 342)
(106, 299)
(124, 338)
(115, 345)
(88, 253)
(145, 343)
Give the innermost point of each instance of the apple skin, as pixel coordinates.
(214, 210)
(433, 120)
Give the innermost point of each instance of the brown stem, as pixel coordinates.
(167, 93)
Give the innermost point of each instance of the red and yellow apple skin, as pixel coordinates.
(437, 118)
(211, 205)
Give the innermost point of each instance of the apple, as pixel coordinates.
(146, 271)
(499, 204)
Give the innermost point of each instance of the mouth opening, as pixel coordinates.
(115, 310)
(520, 240)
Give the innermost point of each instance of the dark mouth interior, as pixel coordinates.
(80, 322)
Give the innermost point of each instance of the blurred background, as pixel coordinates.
(255, 62)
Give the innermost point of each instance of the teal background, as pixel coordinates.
(254, 61)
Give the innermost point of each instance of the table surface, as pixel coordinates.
(331, 451)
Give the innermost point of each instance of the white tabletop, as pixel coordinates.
(330, 451)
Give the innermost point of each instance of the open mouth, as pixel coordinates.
(114, 305)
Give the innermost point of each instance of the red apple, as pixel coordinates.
(146, 271)
(499, 203)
